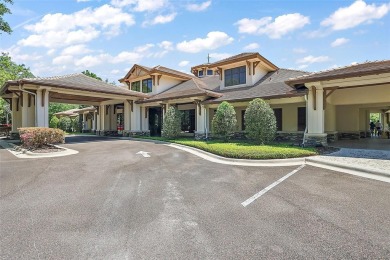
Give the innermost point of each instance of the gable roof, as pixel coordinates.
(76, 82)
(270, 86)
(237, 58)
(190, 88)
(356, 70)
(158, 70)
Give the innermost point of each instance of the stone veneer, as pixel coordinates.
(107, 133)
(314, 140)
(349, 136)
(136, 133)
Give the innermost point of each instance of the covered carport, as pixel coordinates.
(30, 97)
(340, 101)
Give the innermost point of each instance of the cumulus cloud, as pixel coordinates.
(166, 45)
(357, 13)
(198, 7)
(252, 46)
(75, 50)
(339, 41)
(160, 19)
(141, 5)
(183, 63)
(212, 41)
(220, 56)
(281, 26)
(58, 30)
(312, 59)
(63, 59)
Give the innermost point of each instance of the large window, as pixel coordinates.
(136, 86)
(209, 72)
(147, 86)
(301, 118)
(278, 116)
(200, 73)
(188, 120)
(235, 76)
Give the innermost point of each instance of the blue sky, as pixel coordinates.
(108, 37)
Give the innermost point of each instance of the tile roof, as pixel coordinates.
(190, 88)
(77, 82)
(270, 86)
(355, 70)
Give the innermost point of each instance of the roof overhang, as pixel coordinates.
(251, 57)
(287, 95)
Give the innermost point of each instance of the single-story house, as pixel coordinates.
(315, 108)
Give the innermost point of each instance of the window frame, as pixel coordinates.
(136, 84)
(235, 76)
(149, 90)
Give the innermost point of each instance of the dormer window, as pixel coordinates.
(200, 73)
(235, 76)
(209, 72)
(147, 86)
(136, 86)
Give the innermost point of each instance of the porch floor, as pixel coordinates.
(370, 143)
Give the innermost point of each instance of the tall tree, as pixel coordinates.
(91, 74)
(9, 70)
(4, 26)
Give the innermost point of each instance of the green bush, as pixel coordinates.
(54, 122)
(224, 121)
(65, 124)
(35, 137)
(172, 123)
(260, 121)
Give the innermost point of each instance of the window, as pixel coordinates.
(188, 120)
(135, 86)
(243, 120)
(278, 116)
(235, 76)
(147, 86)
(301, 118)
(200, 73)
(209, 72)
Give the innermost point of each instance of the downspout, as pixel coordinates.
(304, 133)
(35, 99)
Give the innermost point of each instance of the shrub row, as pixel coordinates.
(35, 137)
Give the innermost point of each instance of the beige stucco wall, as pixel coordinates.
(347, 118)
(361, 95)
(165, 83)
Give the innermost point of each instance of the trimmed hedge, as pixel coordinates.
(35, 137)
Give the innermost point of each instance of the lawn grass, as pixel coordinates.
(243, 149)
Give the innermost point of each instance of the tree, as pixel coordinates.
(172, 123)
(59, 107)
(91, 74)
(4, 26)
(224, 121)
(54, 122)
(260, 121)
(9, 70)
(65, 124)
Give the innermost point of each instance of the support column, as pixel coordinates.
(135, 124)
(316, 116)
(84, 122)
(200, 118)
(102, 112)
(98, 114)
(25, 109)
(15, 122)
(94, 122)
(126, 116)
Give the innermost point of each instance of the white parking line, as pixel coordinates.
(263, 191)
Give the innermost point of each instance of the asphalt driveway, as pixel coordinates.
(108, 202)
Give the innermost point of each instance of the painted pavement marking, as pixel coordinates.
(144, 154)
(263, 191)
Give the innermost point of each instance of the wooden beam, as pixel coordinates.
(21, 99)
(146, 112)
(254, 66)
(248, 63)
(197, 102)
(326, 95)
(314, 95)
(158, 79)
(43, 97)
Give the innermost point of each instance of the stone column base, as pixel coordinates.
(316, 140)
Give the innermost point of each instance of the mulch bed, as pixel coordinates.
(43, 149)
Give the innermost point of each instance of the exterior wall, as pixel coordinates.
(289, 115)
(347, 118)
(330, 118)
(361, 95)
(144, 120)
(165, 83)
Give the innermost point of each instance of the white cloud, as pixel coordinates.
(166, 45)
(357, 13)
(198, 7)
(303, 66)
(339, 41)
(63, 59)
(183, 63)
(75, 50)
(252, 46)
(220, 56)
(57, 30)
(312, 59)
(115, 71)
(128, 57)
(282, 25)
(17, 55)
(144, 48)
(299, 50)
(213, 41)
(141, 5)
(160, 19)
(92, 61)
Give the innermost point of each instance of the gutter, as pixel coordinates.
(307, 115)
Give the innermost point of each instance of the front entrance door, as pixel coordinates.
(155, 121)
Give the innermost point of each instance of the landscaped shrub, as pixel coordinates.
(260, 121)
(224, 121)
(65, 124)
(54, 122)
(172, 123)
(35, 137)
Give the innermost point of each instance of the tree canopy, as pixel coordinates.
(91, 74)
(4, 26)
